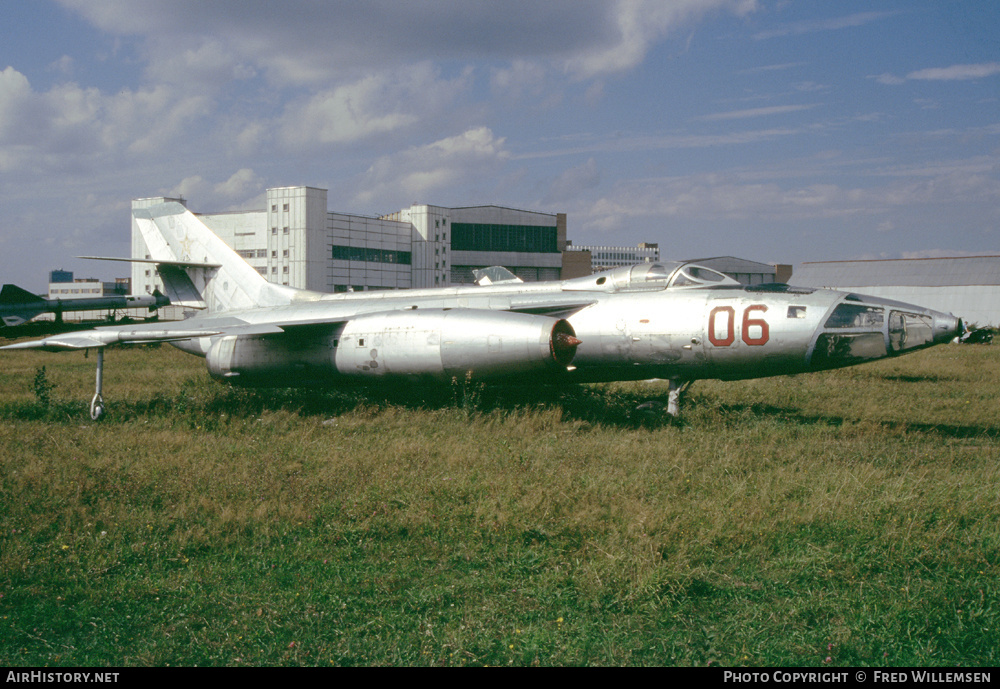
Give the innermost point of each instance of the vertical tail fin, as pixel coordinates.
(200, 270)
(19, 305)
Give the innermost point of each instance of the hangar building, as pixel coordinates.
(294, 240)
(968, 287)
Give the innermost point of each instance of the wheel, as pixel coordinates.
(97, 408)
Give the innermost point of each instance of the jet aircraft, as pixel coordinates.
(18, 305)
(677, 321)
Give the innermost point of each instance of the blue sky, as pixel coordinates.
(776, 130)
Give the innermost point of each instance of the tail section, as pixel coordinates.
(200, 270)
(19, 305)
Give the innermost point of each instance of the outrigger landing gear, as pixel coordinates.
(97, 404)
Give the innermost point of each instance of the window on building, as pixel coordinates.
(285, 208)
(485, 237)
(285, 253)
(284, 230)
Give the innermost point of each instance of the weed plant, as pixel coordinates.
(836, 519)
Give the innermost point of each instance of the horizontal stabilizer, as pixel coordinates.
(181, 264)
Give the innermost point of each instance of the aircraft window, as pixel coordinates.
(908, 330)
(658, 271)
(704, 274)
(697, 275)
(601, 281)
(796, 312)
(856, 316)
(835, 349)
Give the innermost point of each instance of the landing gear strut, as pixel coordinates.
(97, 404)
(677, 388)
(652, 411)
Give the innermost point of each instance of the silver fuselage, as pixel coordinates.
(676, 321)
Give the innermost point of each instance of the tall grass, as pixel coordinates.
(843, 518)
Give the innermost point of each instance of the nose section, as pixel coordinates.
(946, 327)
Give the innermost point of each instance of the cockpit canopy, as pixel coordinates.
(650, 276)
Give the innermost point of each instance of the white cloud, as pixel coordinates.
(833, 24)
(738, 197)
(957, 72)
(207, 62)
(420, 172)
(63, 65)
(521, 78)
(194, 187)
(243, 183)
(640, 23)
(756, 112)
(887, 79)
(150, 119)
(68, 125)
(953, 73)
(573, 182)
(376, 105)
(316, 43)
(34, 126)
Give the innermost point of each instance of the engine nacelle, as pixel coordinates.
(439, 344)
(454, 343)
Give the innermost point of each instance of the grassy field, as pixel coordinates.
(843, 518)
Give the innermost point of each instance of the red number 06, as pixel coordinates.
(730, 335)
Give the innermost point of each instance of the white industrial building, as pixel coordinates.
(608, 257)
(968, 287)
(296, 241)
